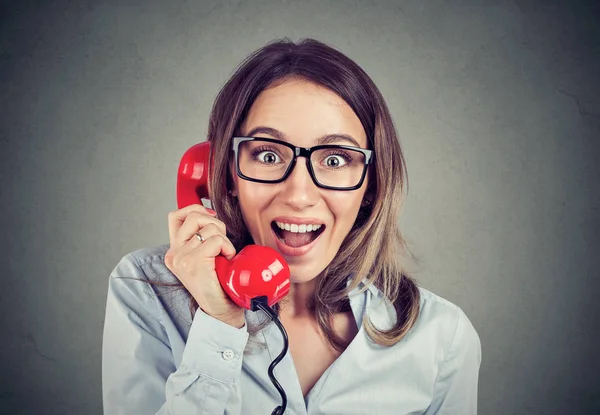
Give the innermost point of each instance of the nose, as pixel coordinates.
(299, 191)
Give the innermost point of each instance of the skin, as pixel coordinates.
(300, 112)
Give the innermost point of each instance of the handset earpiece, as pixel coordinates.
(192, 175)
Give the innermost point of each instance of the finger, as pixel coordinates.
(213, 245)
(176, 218)
(222, 244)
(207, 231)
(195, 222)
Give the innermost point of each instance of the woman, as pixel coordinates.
(362, 336)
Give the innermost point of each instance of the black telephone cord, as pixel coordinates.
(261, 304)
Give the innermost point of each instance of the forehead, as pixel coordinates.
(303, 111)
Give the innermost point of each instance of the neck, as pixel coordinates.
(297, 302)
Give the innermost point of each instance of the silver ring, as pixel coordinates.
(200, 237)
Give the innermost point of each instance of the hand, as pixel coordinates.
(193, 261)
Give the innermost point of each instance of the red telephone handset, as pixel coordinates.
(256, 271)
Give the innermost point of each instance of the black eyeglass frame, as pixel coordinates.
(305, 152)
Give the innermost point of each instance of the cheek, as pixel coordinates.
(345, 207)
(253, 198)
(254, 195)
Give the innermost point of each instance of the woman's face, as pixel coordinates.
(300, 112)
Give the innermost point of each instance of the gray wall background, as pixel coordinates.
(497, 104)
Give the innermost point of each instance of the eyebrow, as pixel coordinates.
(325, 139)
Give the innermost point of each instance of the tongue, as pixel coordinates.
(296, 240)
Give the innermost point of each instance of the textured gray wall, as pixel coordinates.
(498, 107)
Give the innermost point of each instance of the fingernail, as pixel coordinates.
(212, 212)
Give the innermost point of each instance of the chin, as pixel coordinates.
(300, 280)
(300, 274)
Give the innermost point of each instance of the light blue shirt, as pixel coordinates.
(156, 358)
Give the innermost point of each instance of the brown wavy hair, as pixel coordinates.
(374, 249)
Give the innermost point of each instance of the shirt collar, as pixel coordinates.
(370, 287)
(371, 302)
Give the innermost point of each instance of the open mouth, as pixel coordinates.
(294, 235)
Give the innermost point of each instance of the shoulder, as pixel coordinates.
(147, 264)
(143, 257)
(150, 254)
(437, 310)
(445, 324)
(139, 279)
(441, 327)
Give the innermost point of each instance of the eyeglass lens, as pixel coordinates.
(336, 167)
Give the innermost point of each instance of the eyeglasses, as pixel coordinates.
(335, 167)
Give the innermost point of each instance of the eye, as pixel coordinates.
(334, 161)
(268, 157)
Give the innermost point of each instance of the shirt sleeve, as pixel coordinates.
(455, 389)
(139, 375)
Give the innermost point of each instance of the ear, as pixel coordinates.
(368, 197)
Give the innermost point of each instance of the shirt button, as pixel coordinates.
(227, 354)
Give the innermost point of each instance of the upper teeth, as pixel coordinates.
(292, 227)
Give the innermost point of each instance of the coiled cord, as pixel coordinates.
(260, 303)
